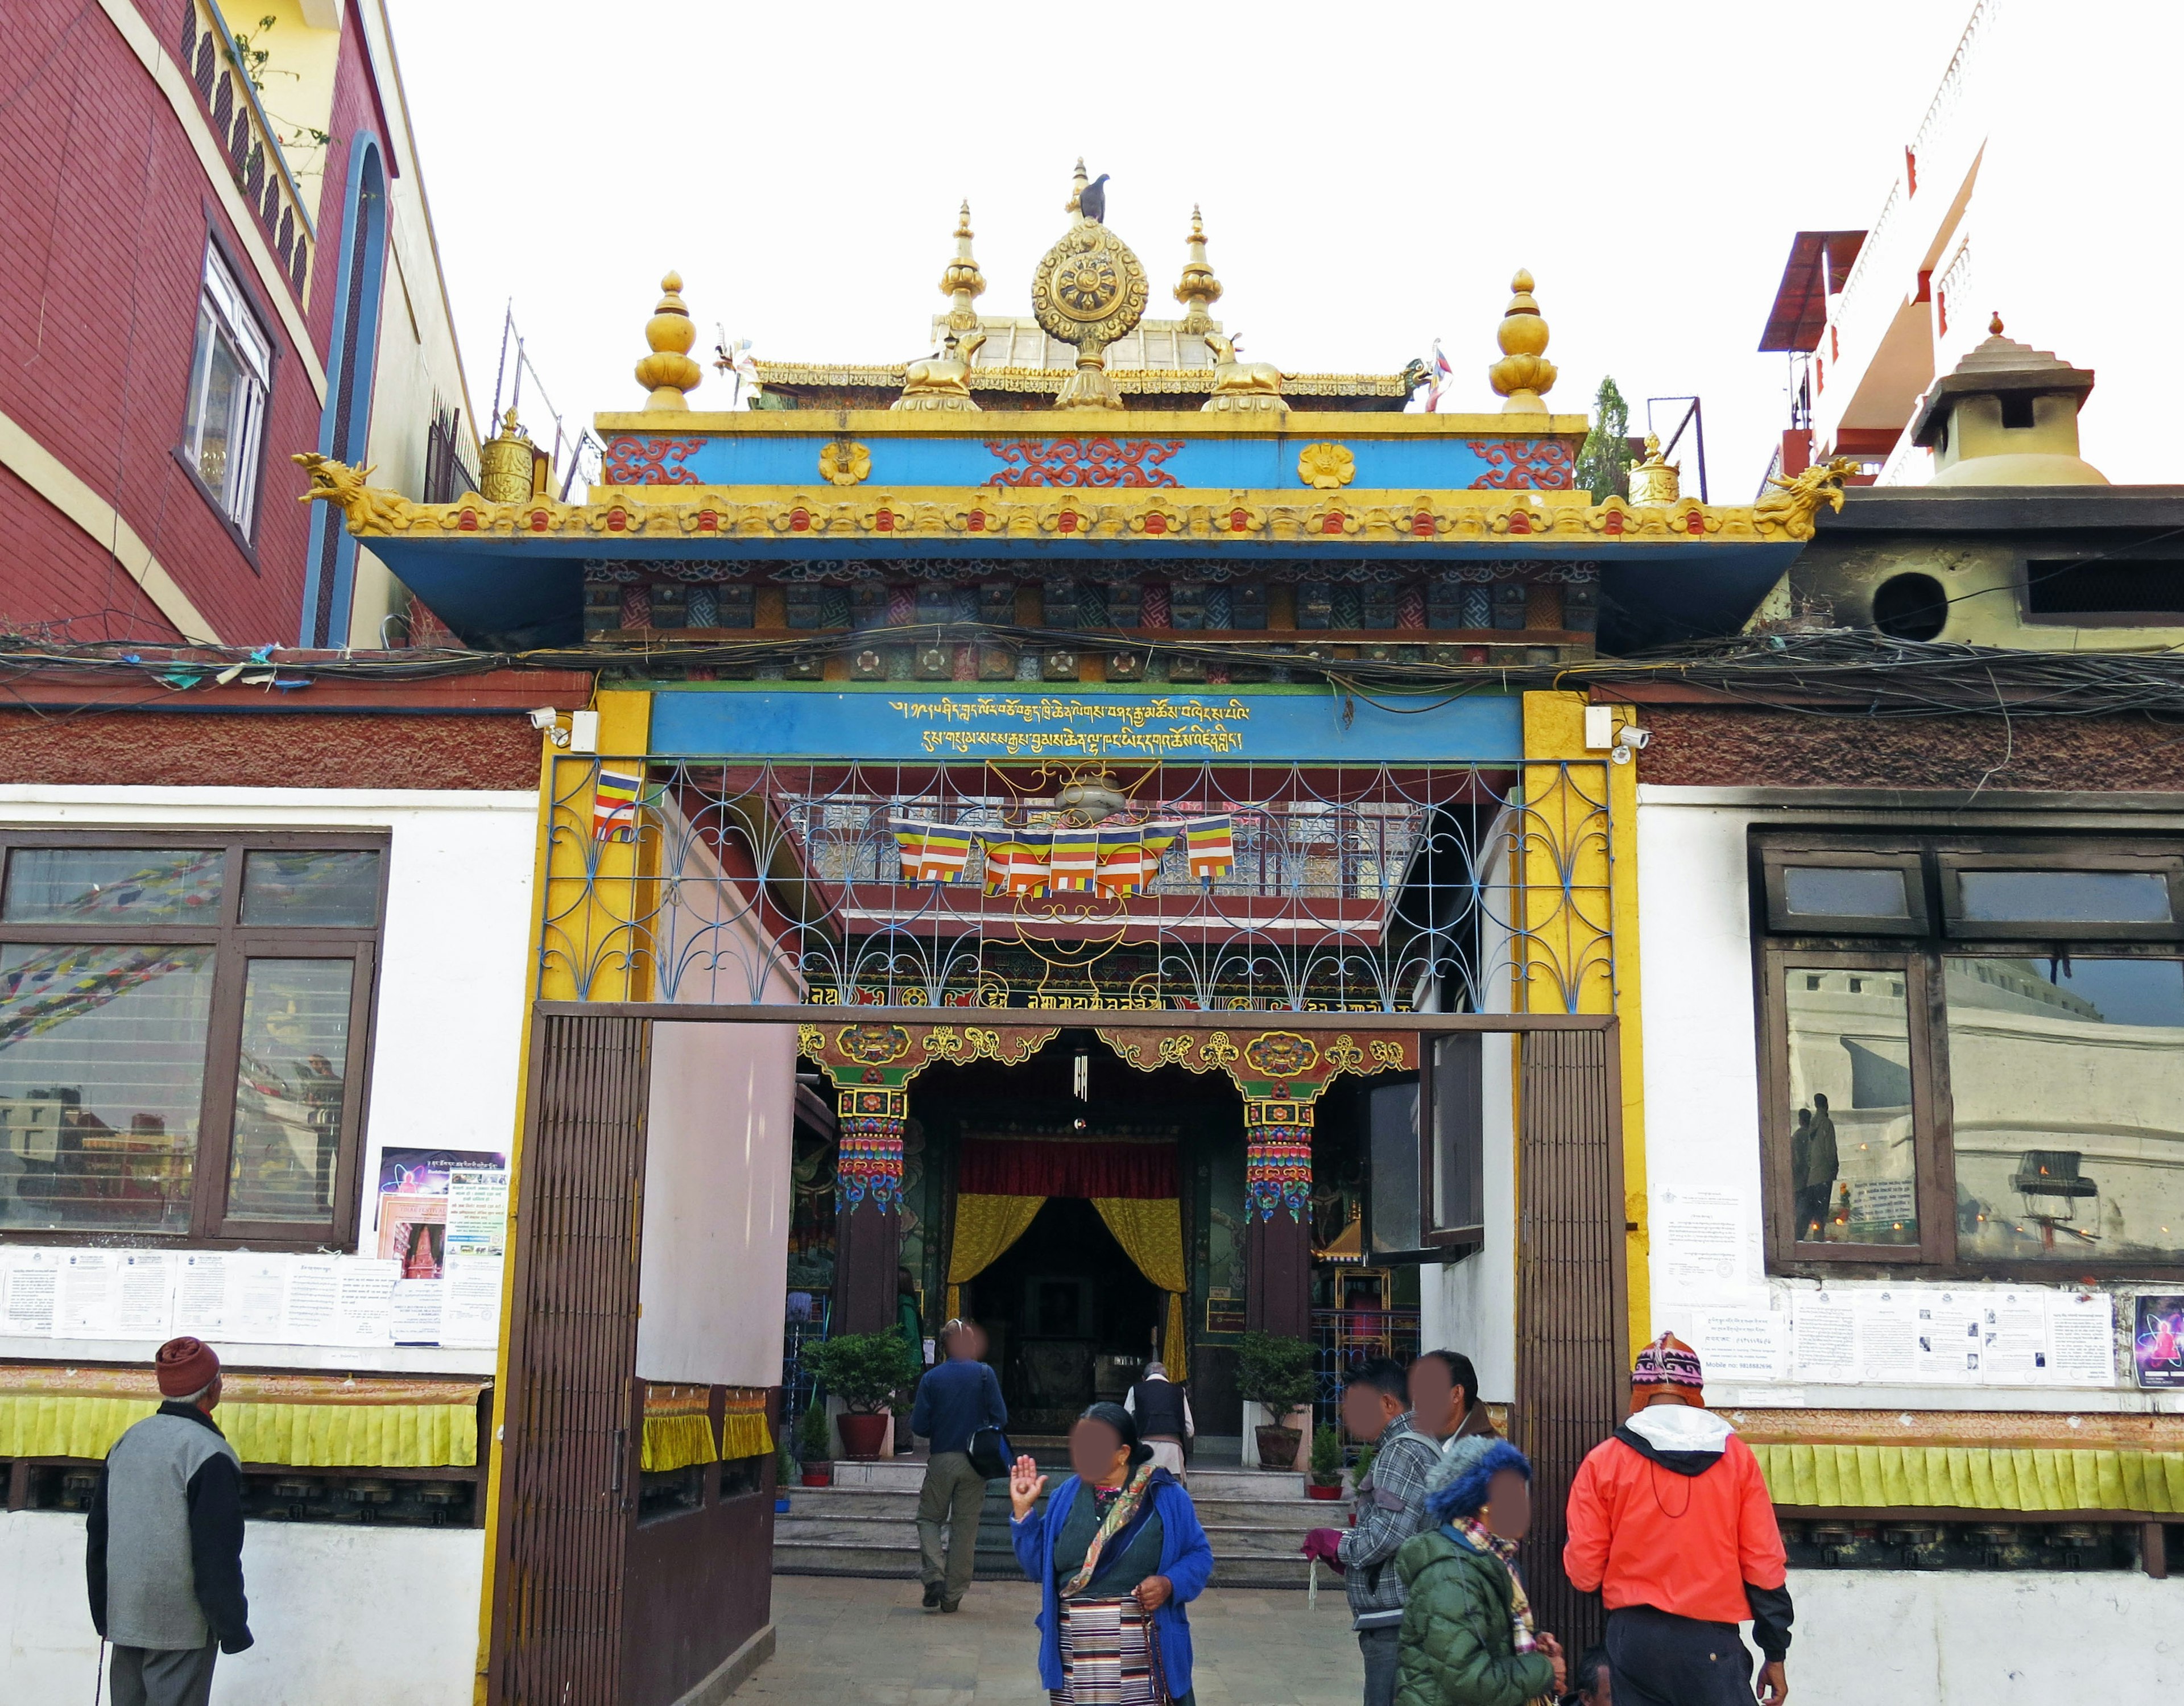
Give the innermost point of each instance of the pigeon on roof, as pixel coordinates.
(1092, 200)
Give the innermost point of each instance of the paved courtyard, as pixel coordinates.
(871, 1642)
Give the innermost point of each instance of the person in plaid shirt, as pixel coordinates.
(1390, 1508)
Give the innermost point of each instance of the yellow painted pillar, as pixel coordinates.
(1577, 852)
(561, 893)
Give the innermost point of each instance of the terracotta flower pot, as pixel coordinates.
(1314, 1490)
(818, 1475)
(862, 1436)
(1278, 1446)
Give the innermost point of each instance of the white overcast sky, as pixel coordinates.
(1371, 174)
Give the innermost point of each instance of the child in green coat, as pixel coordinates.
(1468, 1636)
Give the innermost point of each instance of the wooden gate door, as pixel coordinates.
(1571, 1365)
(567, 1484)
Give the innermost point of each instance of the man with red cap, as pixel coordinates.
(1670, 1520)
(165, 1556)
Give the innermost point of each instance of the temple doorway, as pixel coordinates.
(1069, 1316)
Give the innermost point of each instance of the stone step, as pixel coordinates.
(900, 1564)
(854, 1501)
(832, 1528)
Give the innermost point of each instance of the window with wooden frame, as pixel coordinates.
(1426, 1137)
(184, 1028)
(1972, 1051)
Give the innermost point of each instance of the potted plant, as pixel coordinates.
(814, 1447)
(1274, 1372)
(865, 1371)
(785, 1472)
(1326, 1465)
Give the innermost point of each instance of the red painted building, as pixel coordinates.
(215, 251)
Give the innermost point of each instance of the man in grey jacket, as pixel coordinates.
(164, 1560)
(1390, 1508)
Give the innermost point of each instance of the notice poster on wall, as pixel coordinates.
(1974, 1336)
(29, 1277)
(1742, 1344)
(1699, 1242)
(2081, 1338)
(2158, 1342)
(414, 1199)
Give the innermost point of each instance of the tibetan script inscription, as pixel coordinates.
(1071, 727)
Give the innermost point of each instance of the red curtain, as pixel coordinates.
(1011, 1167)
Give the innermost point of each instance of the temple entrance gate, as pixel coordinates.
(567, 1463)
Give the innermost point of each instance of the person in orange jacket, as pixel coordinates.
(1671, 1521)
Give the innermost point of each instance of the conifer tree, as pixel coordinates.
(1603, 465)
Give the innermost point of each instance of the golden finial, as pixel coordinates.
(1994, 323)
(1524, 374)
(669, 371)
(1198, 290)
(1077, 187)
(962, 280)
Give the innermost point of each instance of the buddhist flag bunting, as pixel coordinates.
(1127, 862)
(931, 852)
(614, 807)
(1211, 843)
(1076, 860)
(1016, 867)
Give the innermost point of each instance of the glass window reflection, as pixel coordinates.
(101, 1071)
(113, 885)
(2068, 1080)
(1852, 1155)
(1844, 891)
(289, 1088)
(2064, 897)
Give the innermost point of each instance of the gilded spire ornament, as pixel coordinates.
(962, 280)
(1524, 374)
(1198, 289)
(504, 463)
(669, 371)
(1087, 291)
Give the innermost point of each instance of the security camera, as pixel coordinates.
(1628, 741)
(547, 721)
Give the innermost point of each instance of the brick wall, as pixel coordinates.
(66, 748)
(103, 212)
(1726, 747)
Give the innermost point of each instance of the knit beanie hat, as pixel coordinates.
(185, 1367)
(1668, 1362)
(1456, 1486)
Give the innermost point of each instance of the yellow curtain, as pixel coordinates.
(1149, 1230)
(985, 1227)
(1973, 1477)
(314, 1436)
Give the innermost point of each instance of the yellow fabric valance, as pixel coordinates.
(1149, 1230)
(1992, 1478)
(679, 1427)
(676, 1442)
(985, 1227)
(45, 1424)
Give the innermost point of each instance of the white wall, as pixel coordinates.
(1968, 1638)
(447, 1048)
(717, 1150)
(1701, 1040)
(1471, 1306)
(343, 1616)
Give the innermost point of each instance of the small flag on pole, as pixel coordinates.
(931, 852)
(1437, 379)
(1211, 843)
(614, 807)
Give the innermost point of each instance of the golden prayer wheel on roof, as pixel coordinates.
(505, 463)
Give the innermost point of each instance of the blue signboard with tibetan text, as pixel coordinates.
(900, 722)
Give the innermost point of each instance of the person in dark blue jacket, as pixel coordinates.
(1117, 1553)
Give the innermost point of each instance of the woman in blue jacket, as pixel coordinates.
(1117, 1552)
